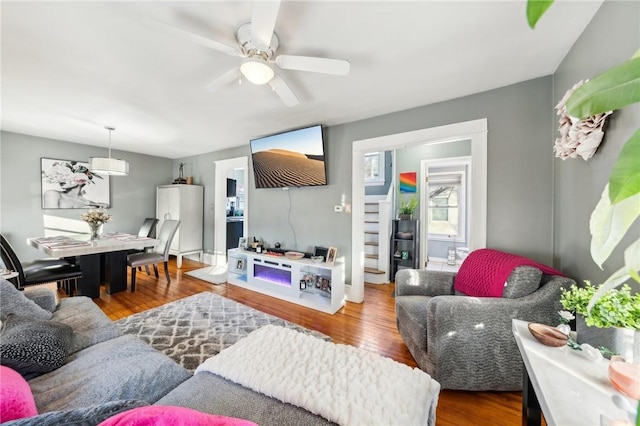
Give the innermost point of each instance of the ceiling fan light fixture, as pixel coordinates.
(108, 165)
(256, 71)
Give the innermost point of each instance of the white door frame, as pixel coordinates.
(223, 167)
(476, 130)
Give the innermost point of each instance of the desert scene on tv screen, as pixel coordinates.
(276, 168)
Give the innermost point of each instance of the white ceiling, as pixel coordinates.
(70, 68)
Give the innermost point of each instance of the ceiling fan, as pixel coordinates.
(258, 44)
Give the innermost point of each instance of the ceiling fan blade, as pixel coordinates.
(263, 20)
(223, 80)
(308, 63)
(282, 89)
(201, 40)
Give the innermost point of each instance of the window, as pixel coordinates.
(444, 204)
(374, 168)
(446, 214)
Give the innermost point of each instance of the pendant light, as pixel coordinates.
(109, 166)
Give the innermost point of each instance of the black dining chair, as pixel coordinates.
(40, 271)
(160, 253)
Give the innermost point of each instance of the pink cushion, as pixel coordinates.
(162, 415)
(16, 399)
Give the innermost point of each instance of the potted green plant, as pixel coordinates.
(613, 322)
(408, 207)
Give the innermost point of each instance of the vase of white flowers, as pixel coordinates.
(95, 219)
(96, 230)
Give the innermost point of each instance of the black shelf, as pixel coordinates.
(405, 239)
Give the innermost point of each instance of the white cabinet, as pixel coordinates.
(315, 285)
(183, 203)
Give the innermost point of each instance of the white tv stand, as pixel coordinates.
(315, 285)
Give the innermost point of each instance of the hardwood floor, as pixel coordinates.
(370, 325)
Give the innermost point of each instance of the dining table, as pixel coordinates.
(102, 260)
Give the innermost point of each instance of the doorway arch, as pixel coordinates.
(475, 130)
(222, 169)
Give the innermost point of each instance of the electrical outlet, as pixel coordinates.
(337, 209)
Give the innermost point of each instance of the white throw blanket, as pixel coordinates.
(341, 383)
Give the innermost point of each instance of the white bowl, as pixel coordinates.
(294, 255)
(317, 259)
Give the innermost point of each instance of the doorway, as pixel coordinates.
(475, 130)
(232, 168)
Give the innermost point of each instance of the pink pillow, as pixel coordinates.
(162, 415)
(16, 399)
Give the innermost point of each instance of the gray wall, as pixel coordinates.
(133, 197)
(408, 160)
(519, 165)
(202, 168)
(311, 220)
(538, 206)
(611, 38)
(519, 175)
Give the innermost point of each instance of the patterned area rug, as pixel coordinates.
(192, 329)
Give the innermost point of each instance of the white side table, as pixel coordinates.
(569, 388)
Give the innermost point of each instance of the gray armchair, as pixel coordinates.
(466, 342)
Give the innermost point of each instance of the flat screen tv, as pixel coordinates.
(290, 159)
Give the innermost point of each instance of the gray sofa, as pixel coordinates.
(102, 365)
(466, 343)
(107, 372)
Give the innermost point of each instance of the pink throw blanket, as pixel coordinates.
(163, 415)
(484, 272)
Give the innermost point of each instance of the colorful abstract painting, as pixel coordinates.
(408, 182)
